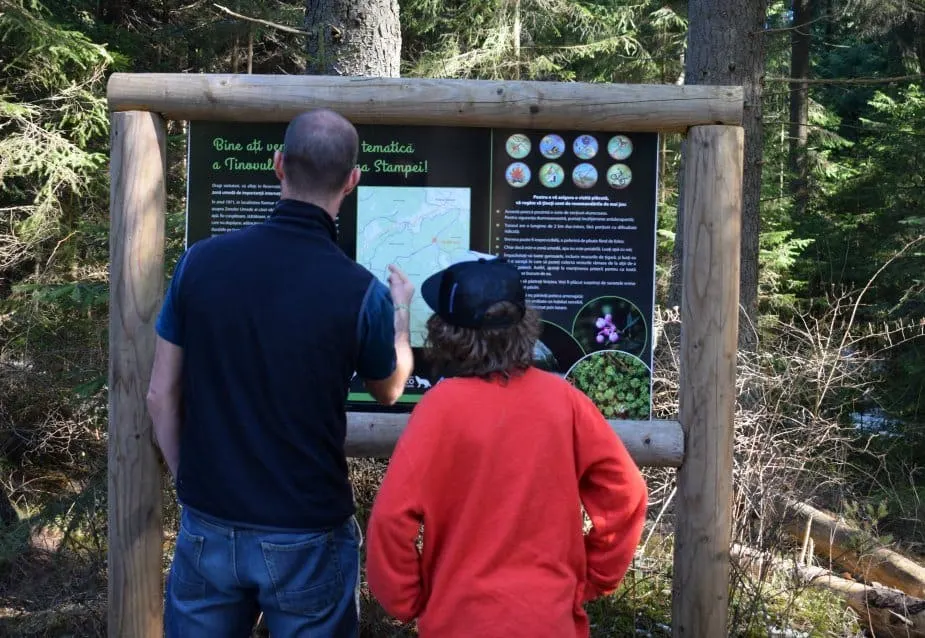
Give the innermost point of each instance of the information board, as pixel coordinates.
(575, 211)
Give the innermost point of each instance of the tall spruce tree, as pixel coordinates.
(353, 37)
(726, 47)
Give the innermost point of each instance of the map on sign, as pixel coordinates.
(420, 229)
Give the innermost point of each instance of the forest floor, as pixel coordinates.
(56, 589)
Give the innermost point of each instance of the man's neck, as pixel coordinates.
(331, 207)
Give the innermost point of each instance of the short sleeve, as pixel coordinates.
(376, 329)
(170, 321)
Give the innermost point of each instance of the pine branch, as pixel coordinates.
(266, 23)
(827, 16)
(868, 80)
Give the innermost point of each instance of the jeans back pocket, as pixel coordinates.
(306, 574)
(186, 579)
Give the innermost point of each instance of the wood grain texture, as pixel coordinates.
(137, 208)
(650, 443)
(709, 320)
(488, 103)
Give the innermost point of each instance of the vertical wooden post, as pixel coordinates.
(137, 209)
(709, 326)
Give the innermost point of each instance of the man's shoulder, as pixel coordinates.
(348, 267)
(377, 299)
(216, 244)
(363, 273)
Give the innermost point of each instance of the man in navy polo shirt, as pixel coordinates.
(260, 333)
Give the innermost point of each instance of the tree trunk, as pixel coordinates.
(800, 40)
(920, 41)
(516, 38)
(8, 514)
(726, 47)
(677, 251)
(250, 51)
(353, 37)
(674, 274)
(113, 12)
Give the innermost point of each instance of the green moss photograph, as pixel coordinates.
(618, 383)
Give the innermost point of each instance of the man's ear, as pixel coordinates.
(352, 180)
(278, 165)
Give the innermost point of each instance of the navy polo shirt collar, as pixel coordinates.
(303, 215)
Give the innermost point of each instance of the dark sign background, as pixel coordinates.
(636, 201)
(454, 156)
(585, 252)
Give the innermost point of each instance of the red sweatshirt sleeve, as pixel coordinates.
(393, 570)
(614, 494)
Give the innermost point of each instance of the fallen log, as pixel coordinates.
(886, 613)
(839, 543)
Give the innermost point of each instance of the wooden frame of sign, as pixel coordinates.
(700, 444)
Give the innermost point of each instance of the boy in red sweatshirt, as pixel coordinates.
(495, 464)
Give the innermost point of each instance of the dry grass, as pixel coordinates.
(46, 593)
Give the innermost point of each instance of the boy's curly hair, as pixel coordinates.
(485, 352)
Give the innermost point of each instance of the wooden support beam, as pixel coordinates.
(137, 206)
(481, 103)
(709, 316)
(651, 443)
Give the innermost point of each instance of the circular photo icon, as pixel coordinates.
(585, 147)
(517, 174)
(620, 147)
(518, 146)
(619, 384)
(611, 323)
(551, 175)
(584, 175)
(556, 350)
(552, 146)
(619, 176)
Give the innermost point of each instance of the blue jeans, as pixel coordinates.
(306, 584)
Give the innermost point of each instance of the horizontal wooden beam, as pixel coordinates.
(650, 443)
(406, 101)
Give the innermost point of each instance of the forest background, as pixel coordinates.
(831, 364)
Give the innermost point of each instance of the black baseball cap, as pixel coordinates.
(462, 293)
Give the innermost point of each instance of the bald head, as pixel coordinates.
(320, 153)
